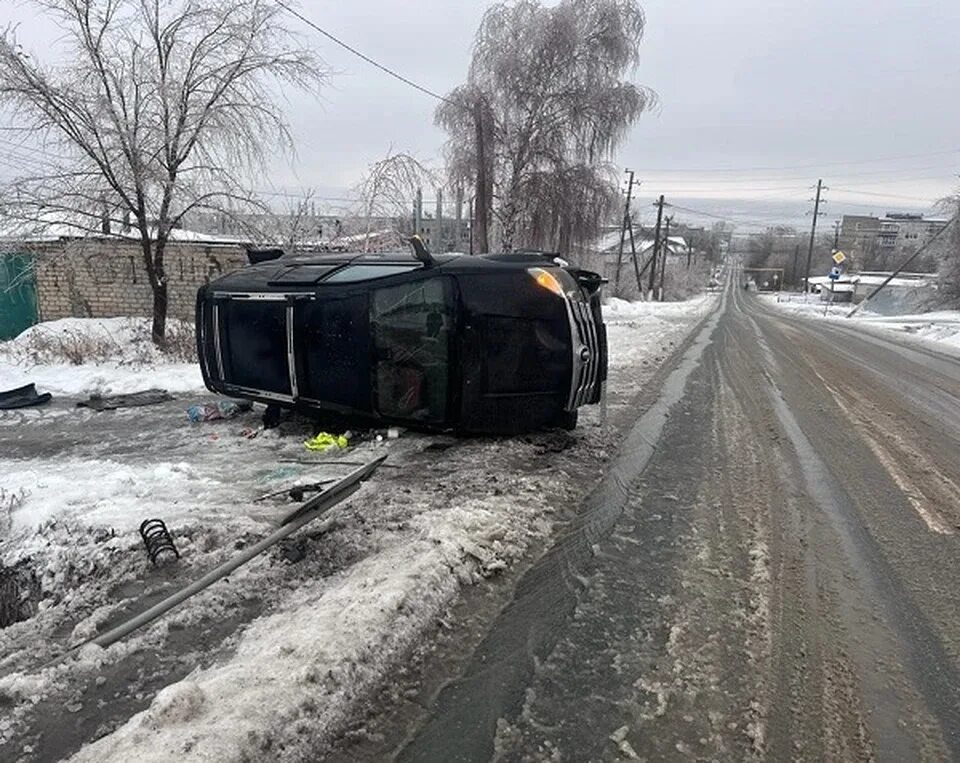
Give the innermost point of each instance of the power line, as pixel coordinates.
(725, 218)
(889, 173)
(364, 57)
(32, 149)
(884, 195)
(672, 189)
(805, 166)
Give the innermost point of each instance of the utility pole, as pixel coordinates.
(665, 250)
(417, 212)
(793, 271)
(623, 231)
(437, 241)
(813, 234)
(656, 246)
(836, 235)
(636, 267)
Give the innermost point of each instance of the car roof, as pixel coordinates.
(308, 270)
(406, 256)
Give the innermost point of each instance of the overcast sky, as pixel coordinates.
(758, 98)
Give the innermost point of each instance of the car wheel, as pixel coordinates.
(271, 416)
(567, 420)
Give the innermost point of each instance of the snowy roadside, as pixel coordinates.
(938, 329)
(86, 356)
(275, 659)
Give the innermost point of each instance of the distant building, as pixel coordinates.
(865, 237)
(907, 293)
(602, 257)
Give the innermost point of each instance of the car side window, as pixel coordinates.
(411, 325)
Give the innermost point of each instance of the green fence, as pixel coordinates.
(18, 294)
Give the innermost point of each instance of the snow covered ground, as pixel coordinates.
(274, 660)
(85, 356)
(941, 328)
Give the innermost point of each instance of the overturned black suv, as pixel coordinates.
(494, 344)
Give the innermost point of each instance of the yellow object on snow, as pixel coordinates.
(325, 441)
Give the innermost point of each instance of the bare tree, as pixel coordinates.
(544, 107)
(948, 257)
(161, 108)
(295, 227)
(389, 187)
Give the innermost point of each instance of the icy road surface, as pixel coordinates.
(281, 659)
(777, 581)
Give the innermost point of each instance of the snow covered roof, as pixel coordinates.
(875, 279)
(359, 238)
(21, 231)
(842, 286)
(610, 242)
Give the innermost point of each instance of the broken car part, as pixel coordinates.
(131, 400)
(312, 509)
(22, 397)
(157, 539)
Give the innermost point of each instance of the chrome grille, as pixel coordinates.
(585, 341)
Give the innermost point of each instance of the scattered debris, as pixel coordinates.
(552, 441)
(22, 397)
(221, 409)
(440, 445)
(296, 492)
(325, 441)
(157, 539)
(312, 509)
(271, 416)
(292, 551)
(131, 400)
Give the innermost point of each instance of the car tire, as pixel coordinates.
(271, 416)
(567, 420)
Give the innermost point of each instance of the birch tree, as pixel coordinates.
(157, 111)
(545, 105)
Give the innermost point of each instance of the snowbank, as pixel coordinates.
(83, 356)
(941, 327)
(616, 310)
(637, 330)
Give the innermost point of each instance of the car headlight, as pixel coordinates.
(546, 280)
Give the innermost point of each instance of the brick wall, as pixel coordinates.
(103, 278)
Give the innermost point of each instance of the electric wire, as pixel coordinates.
(806, 166)
(358, 54)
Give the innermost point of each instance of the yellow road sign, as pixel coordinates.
(839, 256)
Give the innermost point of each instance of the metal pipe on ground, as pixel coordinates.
(305, 514)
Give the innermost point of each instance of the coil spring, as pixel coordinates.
(157, 539)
